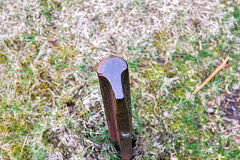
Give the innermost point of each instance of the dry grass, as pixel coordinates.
(50, 103)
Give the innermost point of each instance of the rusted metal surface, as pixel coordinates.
(114, 84)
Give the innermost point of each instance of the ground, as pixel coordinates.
(50, 101)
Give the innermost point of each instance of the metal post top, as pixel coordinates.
(110, 65)
(112, 69)
(115, 88)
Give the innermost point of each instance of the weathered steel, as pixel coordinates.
(114, 83)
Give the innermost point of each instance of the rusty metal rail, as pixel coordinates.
(114, 84)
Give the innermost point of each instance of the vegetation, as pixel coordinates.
(50, 102)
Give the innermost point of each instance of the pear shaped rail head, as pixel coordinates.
(112, 69)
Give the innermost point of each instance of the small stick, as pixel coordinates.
(224, 64)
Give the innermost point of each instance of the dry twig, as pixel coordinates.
(224, 64)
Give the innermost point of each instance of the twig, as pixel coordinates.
(224, 64)
(199, 45)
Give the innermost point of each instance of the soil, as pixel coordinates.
(230, 105)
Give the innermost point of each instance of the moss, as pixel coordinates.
(19, 124)
(44, 75)
(26, 61)
(68, 99)
(183, 68)
(42, 90)
(35, 48)
(67, 52)
(3, 58)
(179, 93)
(101, 26)
(4, 129)
(44, 87)
(169, 70)
(21, 151)
(63, 58)
(4, 154)
(160, 41)
(192, 82)
(14, 127)
(15, 44)
(83, 112)
(154, 72)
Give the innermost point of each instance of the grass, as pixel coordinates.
(50, 102)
